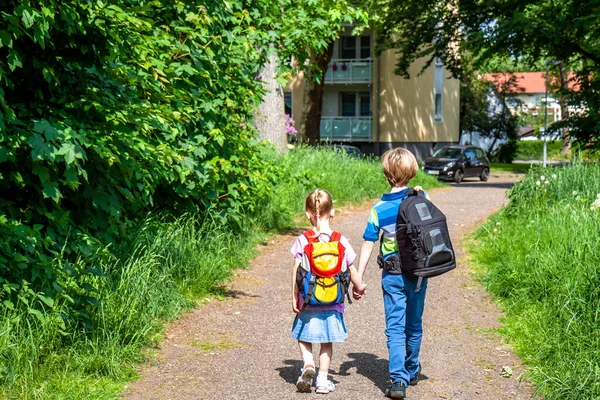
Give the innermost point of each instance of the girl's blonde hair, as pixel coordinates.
(399, 166)
(318, 203)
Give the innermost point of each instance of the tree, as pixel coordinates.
(525, 30)
(269, 119)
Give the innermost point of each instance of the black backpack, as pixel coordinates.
(424, 247)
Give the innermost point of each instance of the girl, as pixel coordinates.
(324, 324)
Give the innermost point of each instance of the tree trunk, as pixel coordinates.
(310, 122)
(564, 110)
(269, 120)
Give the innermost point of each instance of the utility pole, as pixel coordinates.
(548, 63)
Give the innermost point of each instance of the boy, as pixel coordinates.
(403, 304)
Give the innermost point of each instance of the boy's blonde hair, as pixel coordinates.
(399, 166)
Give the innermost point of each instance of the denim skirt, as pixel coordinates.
(315, 326)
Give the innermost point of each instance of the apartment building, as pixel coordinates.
(366, 105)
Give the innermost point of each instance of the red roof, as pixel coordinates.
(527, 82)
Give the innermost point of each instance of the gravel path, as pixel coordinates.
(240, 347)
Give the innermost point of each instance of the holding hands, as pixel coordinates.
(358, 291)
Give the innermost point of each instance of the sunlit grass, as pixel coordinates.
(542, 262)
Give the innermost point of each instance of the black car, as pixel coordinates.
(352, 151)
(453, 163)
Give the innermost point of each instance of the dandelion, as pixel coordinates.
(598, 196)
(554, 176)
(542, 178)
(498, 223)
(495, 230)
(547, 182)
(574, 193)
(538, 183)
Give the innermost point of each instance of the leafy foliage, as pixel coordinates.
(527, 31)
(111, 110)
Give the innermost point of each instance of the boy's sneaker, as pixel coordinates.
(396, 390)
(306, 377)
(325, 387)
(415, 379)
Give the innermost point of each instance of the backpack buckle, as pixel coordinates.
(391, 265)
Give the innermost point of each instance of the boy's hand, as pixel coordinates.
(295, 304)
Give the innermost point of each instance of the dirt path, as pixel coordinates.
(240, 347)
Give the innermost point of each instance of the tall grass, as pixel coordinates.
(348, 179)
(64, 352)
(543, 264)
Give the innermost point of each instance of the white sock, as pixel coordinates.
(322, 376)
(308, 359)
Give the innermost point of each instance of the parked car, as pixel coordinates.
(352, 151)
(453, 163)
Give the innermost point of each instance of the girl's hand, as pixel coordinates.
(295, 304)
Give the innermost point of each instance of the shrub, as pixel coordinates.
(533, 149)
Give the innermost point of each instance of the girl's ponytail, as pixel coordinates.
(318, 203)
(318, 212)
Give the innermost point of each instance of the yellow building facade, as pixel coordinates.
(366, 105)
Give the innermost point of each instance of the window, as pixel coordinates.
(355, 104)
(470, 154)
(288, 102)
(365, 47)
(353, 47)
(348, 47)
(438, 107)
(348, 106)
(438, 91)
(365, 104)
(479, 153)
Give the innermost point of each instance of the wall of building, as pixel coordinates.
(296, 86)
(406, 112)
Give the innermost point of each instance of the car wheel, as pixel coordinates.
(485, 175)
(458, 176)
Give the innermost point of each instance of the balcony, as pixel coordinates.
(346, 129)
(350, 71)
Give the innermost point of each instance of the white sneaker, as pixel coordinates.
(325, 387)
(305, 379)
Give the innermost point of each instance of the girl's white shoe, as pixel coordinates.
(325, 387)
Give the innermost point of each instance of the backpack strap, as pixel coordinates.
(413, 192)
(336, 236)
(310, 235)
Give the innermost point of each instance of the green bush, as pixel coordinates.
(111, 110)
(542, 264)
(533, 150)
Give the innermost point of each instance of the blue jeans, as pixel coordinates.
(403, 322)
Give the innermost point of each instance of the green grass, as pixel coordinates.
(542, 263)
(90, 352)
(515, 168)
